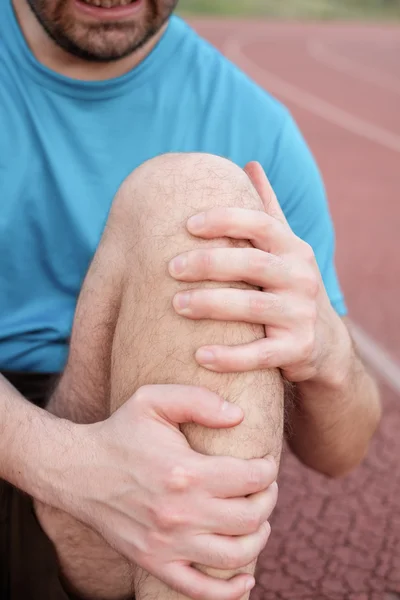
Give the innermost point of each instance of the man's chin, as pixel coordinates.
(91, 32)
(99, 46)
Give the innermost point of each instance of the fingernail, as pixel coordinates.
(178, 265)
(250, 584)
(196, 223)
(267, 528)
(182, 301)
(234, 410)
(205, 356)
(271, 460)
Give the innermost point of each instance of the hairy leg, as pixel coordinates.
(160, 344)
(126, 300)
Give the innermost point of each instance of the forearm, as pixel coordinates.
(332, 421)
(29, 436)
(32, 443)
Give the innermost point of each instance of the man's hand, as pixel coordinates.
(305, 337)
(135, 479)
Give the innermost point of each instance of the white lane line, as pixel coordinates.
(312, 103)
(378, 359)
(329, 58)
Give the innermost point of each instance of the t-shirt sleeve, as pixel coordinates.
(298, 184)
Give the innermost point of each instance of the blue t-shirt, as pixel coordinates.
(66, 146)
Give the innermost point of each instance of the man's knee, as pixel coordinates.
(166, 190)
(151, 211)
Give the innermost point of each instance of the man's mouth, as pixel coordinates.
(109, 3)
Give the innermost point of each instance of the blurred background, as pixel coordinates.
(336, 65)
(327, 9)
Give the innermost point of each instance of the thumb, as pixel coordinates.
(189, 404)
(263, 187)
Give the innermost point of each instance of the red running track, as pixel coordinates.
(341, 540)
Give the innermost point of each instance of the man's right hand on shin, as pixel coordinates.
(166, 507)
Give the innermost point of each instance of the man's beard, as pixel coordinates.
(102, 42)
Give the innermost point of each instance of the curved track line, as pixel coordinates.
(378, 359)
(312, 103)
(329, 58)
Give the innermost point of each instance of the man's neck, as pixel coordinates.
(47, 52)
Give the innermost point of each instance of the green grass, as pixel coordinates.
(296, 9)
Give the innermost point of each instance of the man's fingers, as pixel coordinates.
(191, 583)
(227, 304)
(250, 265)
(262, 354)
(228, 477)
(260, 181)
(188, 404)
(229, 553)
(242, 516)
(262, 230)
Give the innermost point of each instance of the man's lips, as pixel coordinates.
(109, 9)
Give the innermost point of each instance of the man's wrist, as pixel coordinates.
(52, 460)
(338, 364)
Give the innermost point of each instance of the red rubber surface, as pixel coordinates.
(340, 539)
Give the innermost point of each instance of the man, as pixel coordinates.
(90, 91)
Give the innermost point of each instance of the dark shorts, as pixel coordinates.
(28, 561)
(36, 387)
